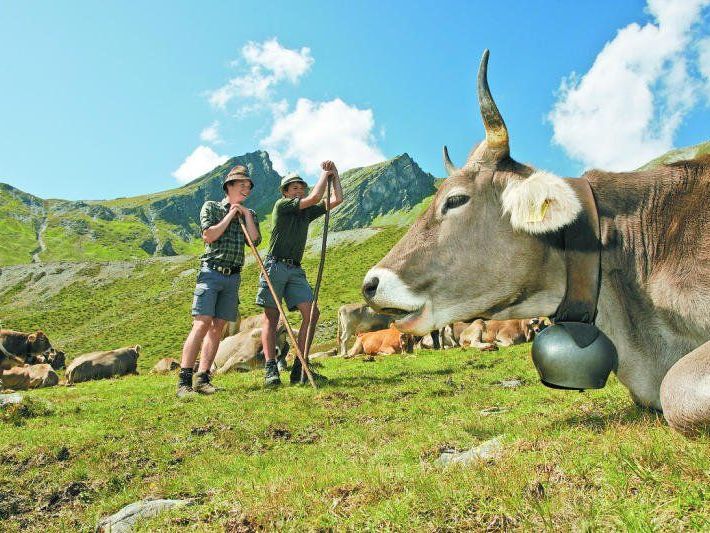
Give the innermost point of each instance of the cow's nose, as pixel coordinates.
(369, 288)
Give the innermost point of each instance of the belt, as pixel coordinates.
(286, 260)
(227, 271)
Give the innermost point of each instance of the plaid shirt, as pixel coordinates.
(228, 250)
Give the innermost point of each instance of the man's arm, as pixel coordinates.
(316, 192)
(251, 225)
(336, 193)
(214, 232)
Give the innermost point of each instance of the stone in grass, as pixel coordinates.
(511, 383)
(10, 399)
(487, 451)
(124, 520)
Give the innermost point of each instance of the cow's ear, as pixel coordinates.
(31, 337)
(540, 203)
(137, 348)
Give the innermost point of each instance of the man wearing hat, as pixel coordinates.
(216, 294)
(290, 218)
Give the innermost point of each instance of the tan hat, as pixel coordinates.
(240, 172)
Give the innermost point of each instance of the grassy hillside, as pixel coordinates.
(357, 455)
(19, 219)
(104, 306)
(680, 154)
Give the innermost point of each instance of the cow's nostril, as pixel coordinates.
(369, 288)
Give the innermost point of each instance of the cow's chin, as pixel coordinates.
(419, 322)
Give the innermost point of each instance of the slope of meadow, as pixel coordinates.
(358, 454)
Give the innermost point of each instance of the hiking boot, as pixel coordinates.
(203, 385)
(185, 391)
(299, 378)
(271, 376)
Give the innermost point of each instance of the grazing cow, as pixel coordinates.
(102, 365)
(29, 377)
(358, 318)
(384, 341)
(492, 245)
(166, 365)
(489, 334)
(243, 351)
(18, 348)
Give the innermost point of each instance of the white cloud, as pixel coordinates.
(282, 62)
(626, 109)
(199, 162)
(268, 63)
(211, 134)
(316, 131)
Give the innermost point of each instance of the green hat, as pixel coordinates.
(240, 172)
(291, 178)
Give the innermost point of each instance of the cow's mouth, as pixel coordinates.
(395, 312)
(408, 320)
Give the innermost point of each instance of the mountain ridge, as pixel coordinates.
(166, 223)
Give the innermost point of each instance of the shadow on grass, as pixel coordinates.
(630, 415)
(400, 378)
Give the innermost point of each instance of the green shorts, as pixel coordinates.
(289, 282)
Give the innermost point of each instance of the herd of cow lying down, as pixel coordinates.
(29, 361)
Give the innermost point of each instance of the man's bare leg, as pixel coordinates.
(269, 325)
(200, 327)
(211, 344)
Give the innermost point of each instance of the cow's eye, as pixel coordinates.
(455, 201)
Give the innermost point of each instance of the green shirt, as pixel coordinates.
(228, 250)
(290, 228)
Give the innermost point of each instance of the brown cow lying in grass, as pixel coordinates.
(489, 334)
(102, 365)
(29, 377)
(243, 351)
(384, 341)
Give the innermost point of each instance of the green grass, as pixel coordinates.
(355, 455)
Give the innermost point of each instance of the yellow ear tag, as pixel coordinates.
(538, 214)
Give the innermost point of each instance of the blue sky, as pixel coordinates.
(108, 99)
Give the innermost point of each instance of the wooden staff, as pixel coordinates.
(304, 364)
(320, 268)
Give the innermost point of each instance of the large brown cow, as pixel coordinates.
(17, 348)
(494, 233)
(103, 365)
(358, 318)
(29, 377)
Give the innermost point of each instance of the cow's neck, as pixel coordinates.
(650, 335)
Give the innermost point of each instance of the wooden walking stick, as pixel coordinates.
(291, 336)
(319, 277)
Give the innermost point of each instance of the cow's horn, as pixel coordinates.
(496, 146)
(448, 165)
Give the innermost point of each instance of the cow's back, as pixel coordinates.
(101, 365)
